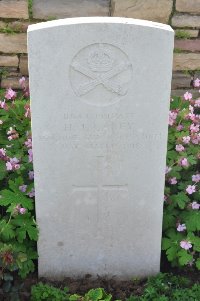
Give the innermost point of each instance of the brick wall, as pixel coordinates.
(182, 15)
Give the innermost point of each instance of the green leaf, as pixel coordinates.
(17, 197)
(166, 243)
(8, 232)
(198, 263)
(3, 171)
(184, 257)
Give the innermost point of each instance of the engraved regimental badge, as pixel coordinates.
(100, 74)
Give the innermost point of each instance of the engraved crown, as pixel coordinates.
(100, 60)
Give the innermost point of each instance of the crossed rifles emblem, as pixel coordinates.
(98, 78)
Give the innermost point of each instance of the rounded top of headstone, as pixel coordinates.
(100, 20)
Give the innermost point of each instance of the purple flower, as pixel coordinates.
(195, 205)
(31, 194)
(185, 244)
(191, 189)
(31, 175)
(10, 94)
(22, 210)
(30, 155)
(23, 188)
(2, 152)
(196, 178)
(181, 228)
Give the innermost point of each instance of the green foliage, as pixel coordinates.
(47, 292)
(166, 287)
(163, 287)
(182, 34)
(181, 223)
(18, 229)
(30, 8)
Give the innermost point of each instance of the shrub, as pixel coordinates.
(181, 223)
(18, 231)
(47, 292)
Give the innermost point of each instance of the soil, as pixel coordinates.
(119, 289)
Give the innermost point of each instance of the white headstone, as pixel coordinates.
(100, 92)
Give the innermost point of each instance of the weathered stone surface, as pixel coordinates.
(12, 82)
(154, 10)
(87, 76)
(186, 20)
(69, 8)
(13, 43)
(180, 80)
(2, 25)
(186, 61)
(181, 92)
(192, 33)
(14, 9)
(9, 61)
(23, 65)
(188, 6)
(188, 45)
(19, 26)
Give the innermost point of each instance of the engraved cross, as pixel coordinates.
(100, 186)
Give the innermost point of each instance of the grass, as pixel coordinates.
(182, 34)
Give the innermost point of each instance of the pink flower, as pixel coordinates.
(187, 96)
(179, 127)
(186, 139)
(2, 152)
(22, 210)
(22, 81)
(180, 148)
(181, 227)
(3, 104)
(191, 109)
(167, 169)
(28, 143)
(31, 175)
(9, 166)
(185, 244)
(184, 162)
(10, 94)
(196, 82)
(1, 121)
(191, 189)
(31, 194)
(30, 155)
(194, 128)
(172, 117)
(195, 205)
(196, 178)
(23, 188)
(197, 103)
(10, 138)
(173, 181)
(13, 164)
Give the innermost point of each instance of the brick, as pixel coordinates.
(180, 80)
(188, 45)
(192, 33)
(12, 82)
(17, 9)
(23, 65)
(181, 92)
(13, 43)
(186, 61)
(153, 10)
(2, 25)
(188, 6)
(69, 8)
(185, 20)
(8, 61)
(19, 26)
